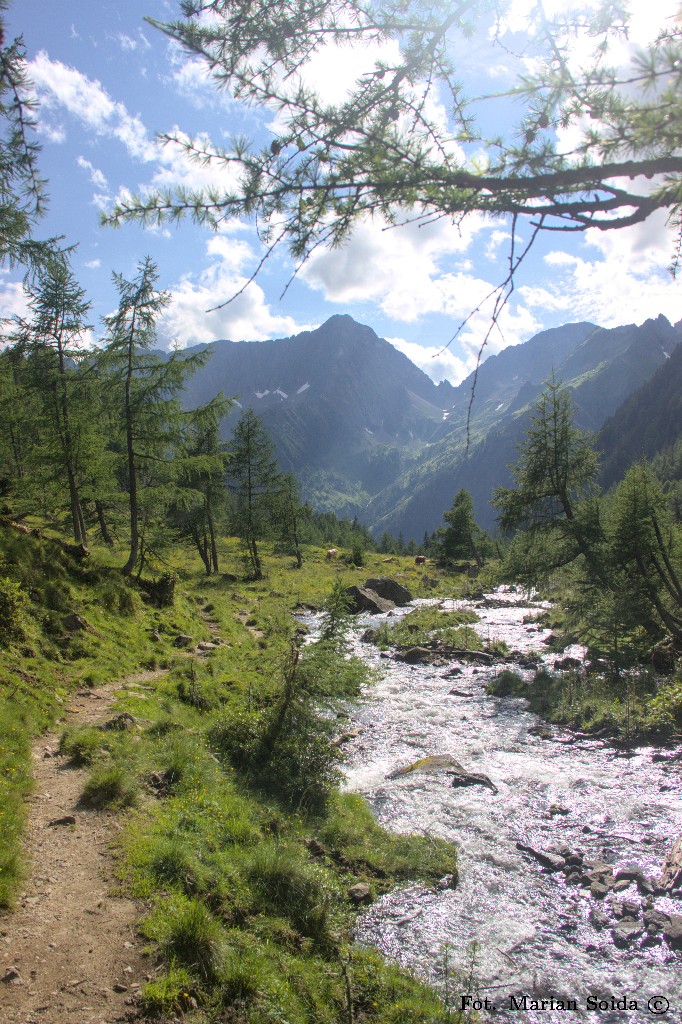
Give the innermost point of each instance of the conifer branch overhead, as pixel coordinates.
(590, 144)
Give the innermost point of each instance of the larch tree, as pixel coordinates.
(253, 479)
(554, 492)
(461, 537)
(145, 388)
(585, 136)
(54, 339)
(200, 502)
(23, 193)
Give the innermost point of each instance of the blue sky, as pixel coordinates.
(108, 82)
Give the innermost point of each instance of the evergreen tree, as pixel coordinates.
(145, 389)
(588, 139)
(199, 504)
(22, 190)
(54, 339)
(461, 537)
(253, 478)
(19, 413)
(554, 492)
(289, 514)
(647, 547)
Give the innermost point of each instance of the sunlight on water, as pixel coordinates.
(533, 931)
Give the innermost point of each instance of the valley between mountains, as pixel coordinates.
(367, 433)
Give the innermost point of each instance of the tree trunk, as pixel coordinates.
(132, 466)
(103, 528)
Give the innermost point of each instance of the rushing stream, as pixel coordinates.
(534, 934)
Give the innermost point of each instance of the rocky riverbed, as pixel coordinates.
(561, 913)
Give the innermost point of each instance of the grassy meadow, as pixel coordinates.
(246, 876)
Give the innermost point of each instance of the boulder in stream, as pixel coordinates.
(673, 931)
(362, 599)
(551, 861)
(671, 872)
(447, 764)
(626, 931)
(426, 766)
(390, 590)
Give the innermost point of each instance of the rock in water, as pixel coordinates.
(365, 600)
(390, 590)
(464, 778)
(426, 766)
(671, 872)
(444, 762)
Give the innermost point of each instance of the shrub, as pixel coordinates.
(169, 994)
(13, 609)
(83, 744)
(287, 886)
(171, 862)
(507, 684)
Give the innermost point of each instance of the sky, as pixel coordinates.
(108, 83)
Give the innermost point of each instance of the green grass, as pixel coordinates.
(248, 897)
(630, 708)
(429, 623)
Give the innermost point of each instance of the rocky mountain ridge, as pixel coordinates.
(367, 433)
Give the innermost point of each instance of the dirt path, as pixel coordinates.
(70, 954)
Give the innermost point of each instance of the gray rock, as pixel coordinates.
(634, 873)
(673, 931)
(598, 919)
(182, 640)
(120, 722)
(362, 599)
(464, 778)
(626, 931)
(359, 893)
(390, 590)
(552, 861)
(655, 921)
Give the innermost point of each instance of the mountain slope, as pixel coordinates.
(369, 434)
(602, 368)
(648, 421)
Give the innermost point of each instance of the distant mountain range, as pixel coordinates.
(367, 433)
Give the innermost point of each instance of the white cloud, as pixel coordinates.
(248, 317)
(129, 43)
(400, 268)
(438, 363)
(93, 264)
(97, 177)
(627, 282)
(13, 299)
(58, 84)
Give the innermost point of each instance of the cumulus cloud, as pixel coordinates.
(624, 281)
(247, 318)
(13, 299)
(400, 269)
(438, 363)
(59, 85)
